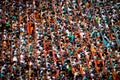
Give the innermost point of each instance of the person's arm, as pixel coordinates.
(106, 38)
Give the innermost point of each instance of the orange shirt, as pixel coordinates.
(20, 17)
(93, 50)
(114, 75)
(3, 56)
(73, 70)
(55, 60)
(4, 43)
(87, 4)
(30, 28)
(35, 15)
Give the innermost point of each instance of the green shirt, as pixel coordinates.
(8, 24)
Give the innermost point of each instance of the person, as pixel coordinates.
(71, 39)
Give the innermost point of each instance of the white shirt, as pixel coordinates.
(79, 55)
(82, 34)
(68, 33)
(15, 58)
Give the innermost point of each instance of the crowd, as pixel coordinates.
(59, 39)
